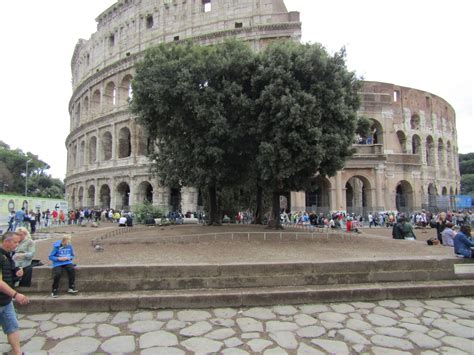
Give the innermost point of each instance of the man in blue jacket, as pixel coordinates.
(463, 242)
(62, 256)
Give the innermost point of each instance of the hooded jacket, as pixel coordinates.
(60, 251)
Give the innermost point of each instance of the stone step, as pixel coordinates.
(120, 278)
(244, 297)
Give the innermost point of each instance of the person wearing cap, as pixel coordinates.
(463, 242)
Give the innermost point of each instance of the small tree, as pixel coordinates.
(363, 127)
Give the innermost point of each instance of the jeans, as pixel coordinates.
(71, 274)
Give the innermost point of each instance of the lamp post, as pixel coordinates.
(26, 177)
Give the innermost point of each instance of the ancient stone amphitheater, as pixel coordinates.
(410, 161)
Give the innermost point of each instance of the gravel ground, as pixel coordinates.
(198, 244)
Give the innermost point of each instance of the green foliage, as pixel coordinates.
(467, 184)
(145, 211)
(363, 127)
(468, 156)
(13, 164)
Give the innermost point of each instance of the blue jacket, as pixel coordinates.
(463, 244)
(59, 252)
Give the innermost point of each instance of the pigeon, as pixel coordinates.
(99, 248)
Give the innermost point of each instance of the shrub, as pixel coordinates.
(146, 211)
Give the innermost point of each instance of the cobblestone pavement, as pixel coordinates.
(435, 326)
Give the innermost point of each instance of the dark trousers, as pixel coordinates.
(71, 274)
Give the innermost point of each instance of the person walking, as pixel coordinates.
(23, 256)
(62, 256)
(8, 273)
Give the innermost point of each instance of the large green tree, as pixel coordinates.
(191, 100)
(306, 103)
(466, 167)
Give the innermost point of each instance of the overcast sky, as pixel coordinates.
(424, 44)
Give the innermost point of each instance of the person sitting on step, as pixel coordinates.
(62, 256)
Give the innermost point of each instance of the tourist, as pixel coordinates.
(405, 230)
(62, 256)
(447, 235)
(23, 256)
(11, 221)
(19, 218)
(440, 226)
(9, 272)
(463, 242)
(32, 222)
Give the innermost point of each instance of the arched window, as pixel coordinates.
(415, 122)
(95, 103)
(441, 161)
(86, 106)
(430, 151)
(402, 139)
(106, 146)
(82, 149)
(110, 95)
(92, 150)
(123, 200)
(125, 144)
(126, 89)
(416, 145)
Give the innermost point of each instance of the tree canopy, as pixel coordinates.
(13, 165)
(466, 167)
(222, 115)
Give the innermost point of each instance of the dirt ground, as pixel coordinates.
(196, 244)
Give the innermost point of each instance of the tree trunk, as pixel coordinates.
(275, 222)
(258, 212)
(213, 213)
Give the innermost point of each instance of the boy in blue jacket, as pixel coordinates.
(62, 256)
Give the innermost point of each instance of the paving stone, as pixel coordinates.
(391, 342)
(63, 332)
(121, 317)
(86, 325)
(382, 321)
(221, 334)
(164, 315)
(403, 314)
(285, 310)
(332, 334)
(68, 318)
(391, 331)
(413, 303)
(331, 325)
(47, 325)
(250, 335)
(162, 351)
(463, 300)
(332, 317)
(258, 345)
(275, 351)
(358, 348)
(197, 329)
(312, 309)
(459, 343)
(202, 345)
(119, 344)
(285, 339)
(225, 313)
(158, 338)
(353, 337)
(459, 312)
(364, 305)
(277, 326)
(384, 312)
(415, 310)
(431, 314)
(40, 317)
(24, 323)
(304, 349)
(100, 317)
(356, 324)
(5, 348)
(233, 342)
(442, 303)
(414, 327)
(286, 318)
(234, 351)
(34, 345)
(80, 345)
(229, 323)
(434, 309)
(311, 332)
(428, 352)
(436, 333)
(88, 333)
(410, 320)
(356, 316)
(249, 325)
(26, 334)
(332, 346)
(106, 330)
(423, 341)
(304, 320)
(175, 324)
(447, 350)
(342, 308)
(427, 321)
(144, 326)
(466, 322)
(454, 328)
(260, 313)
(390, 304)
(387, 351)
(363, 311)
(143, 316)
(469, 308)
(450, 316)
(193, 316)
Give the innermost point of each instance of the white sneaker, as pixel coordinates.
(72, 290)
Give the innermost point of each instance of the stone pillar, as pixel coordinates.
(298, 200)
(340, 192)
(379, 188)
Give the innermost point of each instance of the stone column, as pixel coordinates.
(379, 189)
(340, 192)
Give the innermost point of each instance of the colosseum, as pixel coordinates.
(409, 161)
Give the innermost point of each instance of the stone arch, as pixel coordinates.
(90, 202)
(358, 195)
(432, 197)
(86, 106)
(80, 197)
(402, 139)
(145, 192)
(175, 199)
(416, 145)
(404, 196)
(125, 90)
(82, 152)
(104, 196)
(444, 191)
(430, 151)
(110, 94)
(106, 146)
(95, 102)
(415, 121)
(318, 197)
(125, 143)
(376, 131)
(92, 149)
(441, 161)
(123, 196)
